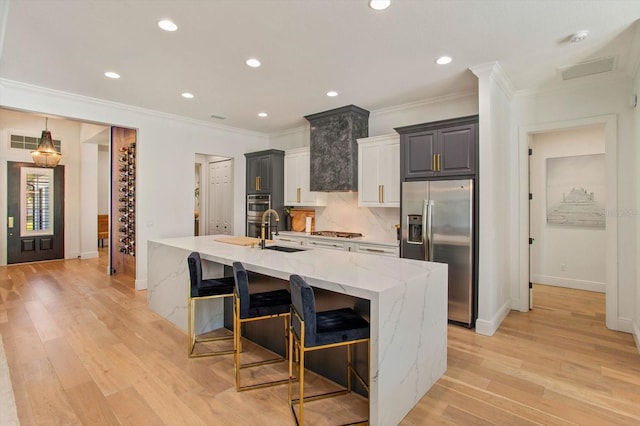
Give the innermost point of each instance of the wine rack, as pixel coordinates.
(126, 213)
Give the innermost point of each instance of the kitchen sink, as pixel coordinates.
(284, 248)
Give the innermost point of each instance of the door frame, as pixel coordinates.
(611, 262)
(58, 213)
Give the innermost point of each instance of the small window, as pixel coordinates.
(36, 201)
(30, 143)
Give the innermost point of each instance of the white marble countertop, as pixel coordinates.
(363, 239)
(407, 309)
(356, 274)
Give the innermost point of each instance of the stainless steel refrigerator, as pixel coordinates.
(437, 225)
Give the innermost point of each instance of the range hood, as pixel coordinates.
(334, 149)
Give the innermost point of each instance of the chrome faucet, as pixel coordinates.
(263, 225)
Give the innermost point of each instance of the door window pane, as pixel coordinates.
(36, 201)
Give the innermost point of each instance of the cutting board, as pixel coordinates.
(299, 218)
(240, 241)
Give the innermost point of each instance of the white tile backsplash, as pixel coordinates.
(343, 214)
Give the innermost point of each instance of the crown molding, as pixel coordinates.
(124, 107)
(423, 102)
(495, 72)
(633, 61)
(290, 131)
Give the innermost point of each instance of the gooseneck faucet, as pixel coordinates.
(263, 226)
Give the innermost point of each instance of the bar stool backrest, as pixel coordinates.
(304, 302)
(195, 273)
(242, 288)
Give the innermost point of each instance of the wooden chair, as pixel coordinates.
(103, 228)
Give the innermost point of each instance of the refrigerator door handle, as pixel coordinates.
(429, 206)
(425, 233)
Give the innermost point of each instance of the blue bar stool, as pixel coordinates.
(311, 331)
(255, 307)
(201, 290)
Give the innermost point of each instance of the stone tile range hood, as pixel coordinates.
(334, 149)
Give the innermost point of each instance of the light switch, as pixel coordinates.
(10, 222)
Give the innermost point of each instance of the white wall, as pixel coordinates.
(635, 139)
(564, 256)
(494, 154)
(165, 153)
(104, 179)
(576, 102)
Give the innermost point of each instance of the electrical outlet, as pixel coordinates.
(563, 267)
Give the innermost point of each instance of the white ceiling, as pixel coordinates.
(373, 59)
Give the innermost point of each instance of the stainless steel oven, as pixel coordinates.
(257, 204)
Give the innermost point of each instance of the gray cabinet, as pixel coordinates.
(265, 175)
(263, 169)
(440, 149)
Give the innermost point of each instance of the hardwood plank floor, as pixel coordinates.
(83, 348)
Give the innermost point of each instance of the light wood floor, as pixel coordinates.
(83, 348)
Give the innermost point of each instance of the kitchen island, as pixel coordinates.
(407, 302)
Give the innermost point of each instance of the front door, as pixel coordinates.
(35, 210)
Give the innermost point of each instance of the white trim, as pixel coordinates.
(624, 324)
(488, 328)
(141, 284)
(423, 102)
(89, 255)
(596, 286)
(636, 335)
(109, 104)
(611, 140)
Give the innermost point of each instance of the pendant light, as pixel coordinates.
(46, 154)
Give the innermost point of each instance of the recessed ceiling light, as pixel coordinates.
(253, 62)
(444, 60)
(187, 95)
(262, 114)
(579, 36)
(332, 93)
(167, 25)
(112, 74)
(379, 4)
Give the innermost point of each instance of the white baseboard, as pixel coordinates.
(89, 255)
(141, 284)
(599, 287)
(636, 335)
(625, 325)
(489, 327)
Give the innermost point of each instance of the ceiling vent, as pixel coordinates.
(583, 69)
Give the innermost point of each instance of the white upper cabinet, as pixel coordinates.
(296, 180)
(379, 171)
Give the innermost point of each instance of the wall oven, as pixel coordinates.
(257, 204)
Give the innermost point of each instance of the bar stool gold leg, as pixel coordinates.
(349, 367)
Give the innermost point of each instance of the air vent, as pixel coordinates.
(583, 69)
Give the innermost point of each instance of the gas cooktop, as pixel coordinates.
(337, 234)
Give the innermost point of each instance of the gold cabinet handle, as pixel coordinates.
(382, 190)
(434, 163)
(379, 193)
(439, 162)
(298, 194)
(257, 183)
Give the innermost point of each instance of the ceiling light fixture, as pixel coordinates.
(46, 155)
(253, 62)
(579, 36)
(262, 114)
(444, 60)
(332, 93)
(112, 74)
(167, 25)
(187, 95)
(379, 4)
